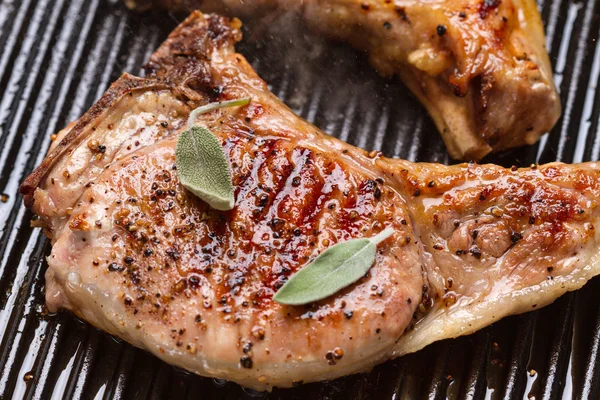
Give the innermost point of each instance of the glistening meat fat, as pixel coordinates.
(140, 257)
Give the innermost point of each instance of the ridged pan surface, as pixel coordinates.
(58, 56)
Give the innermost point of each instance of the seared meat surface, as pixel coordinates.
(138, 256)
(479, 66)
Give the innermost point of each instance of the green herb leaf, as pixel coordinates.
(201, 162)
(334, 269)
(213, 106)
(203, 169)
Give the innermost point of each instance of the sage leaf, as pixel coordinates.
(213, 106)
(334, 269)
(203, 169)
(201, 162)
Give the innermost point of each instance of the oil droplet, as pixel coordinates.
(28, 376)
(4, 197)
(219, 382)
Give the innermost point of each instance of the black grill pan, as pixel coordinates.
(58, 56)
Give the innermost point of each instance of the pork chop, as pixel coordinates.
(479, 66)
(138, 256)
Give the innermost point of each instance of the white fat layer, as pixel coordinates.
(464, 319)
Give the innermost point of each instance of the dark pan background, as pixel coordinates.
(58, 56)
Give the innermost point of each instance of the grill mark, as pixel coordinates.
(319, 208)
(309, 172)
(288, 180)
(297, 246)
(311, 220)
(246, 182)
(270, 174)
(242, 242)
(272, 178)
(279, 192)
(346, 207)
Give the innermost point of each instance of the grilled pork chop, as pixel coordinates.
(479, 66)
(140, 257)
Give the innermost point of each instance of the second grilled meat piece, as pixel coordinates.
(479, 66)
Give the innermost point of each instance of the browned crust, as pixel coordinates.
(181, 64)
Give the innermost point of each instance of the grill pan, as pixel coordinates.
(58, 56)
